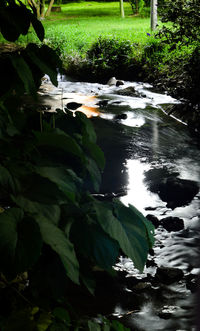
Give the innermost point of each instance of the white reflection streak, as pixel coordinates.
(155, 140)
(137, 192)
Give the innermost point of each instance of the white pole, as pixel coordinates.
(154, 4)
(121, 8)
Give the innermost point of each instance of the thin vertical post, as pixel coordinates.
(121, 8)
(154, 4)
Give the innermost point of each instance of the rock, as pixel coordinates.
(44, 107)
(167, 312)
(119, 82)
(167, 275)
(121, 117)
(192, 283)
(128, 91)
(172, 223)
(141, 287)
(150, 208)
(150, 263)
(112, 81)
(102, 103)
(177, 192)
(73, 105)
(154, 220)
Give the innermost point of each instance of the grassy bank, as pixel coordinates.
(78, 25)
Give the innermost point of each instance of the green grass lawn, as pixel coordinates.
(78, 25)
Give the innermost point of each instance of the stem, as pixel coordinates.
(41, 124)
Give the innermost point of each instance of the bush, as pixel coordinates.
(110, 55)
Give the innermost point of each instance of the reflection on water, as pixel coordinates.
(138, 195)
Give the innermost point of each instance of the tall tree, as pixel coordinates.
(38, 6)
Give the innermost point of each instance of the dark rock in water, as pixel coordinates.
(192, 283)
(102, 103)
(172, 223)
(44, 107)
(151, 208)
(73, 105)
(154, 220)
(109, 196)
(177, 192)
(141, 287)
(168, 276)
(153, 177)
(112, 81)
(150, 263)
(119, 82)
(129, 91)
(167, 312)
(121, 117)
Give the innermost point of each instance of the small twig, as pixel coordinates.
(41, 124)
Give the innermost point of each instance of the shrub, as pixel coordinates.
(110, 55)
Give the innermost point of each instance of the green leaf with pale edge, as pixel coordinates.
(94, 174)
(60, 140)
(127, 228)
(57, 240)
(94, 243)
(24, 73)
(87, 127)
(149, 226)
(96, 153)
(62, 314)
(6, 180)
(20, 241)
(117, 326)
(65, 179)
(93, 326)
(52, 212)
(39, 56)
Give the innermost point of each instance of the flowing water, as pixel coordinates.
(136, 136)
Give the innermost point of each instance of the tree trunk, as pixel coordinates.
(154, 5)
(122, 8)
(137, 6)
(42, 8)
(35, 6)
(49, 8)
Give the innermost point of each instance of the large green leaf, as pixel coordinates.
(87, 127)
(127, 228)
(94, 174)
(95, 152)
(20, 241)
(94, 243)
(93, 326)
(38, 27)
(52, 212)
(57, 240)
(149, 226)
(60, 140)
(14, 20)
(37, 58)
(65, 179)
(41, 189)
(24, 73)
(7, 182)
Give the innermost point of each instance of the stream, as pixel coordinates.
(143, 144)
